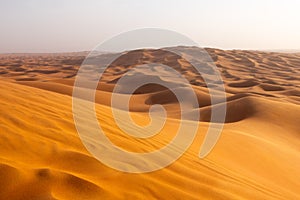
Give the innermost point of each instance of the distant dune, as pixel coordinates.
(257, 156)
(284, 50)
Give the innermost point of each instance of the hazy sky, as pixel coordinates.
(76, 25)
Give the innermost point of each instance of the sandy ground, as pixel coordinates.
(257, 156)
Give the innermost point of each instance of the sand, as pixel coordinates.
(257, 156)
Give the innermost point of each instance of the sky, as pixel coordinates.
(80, 25)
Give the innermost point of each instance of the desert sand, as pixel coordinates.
(257, 156)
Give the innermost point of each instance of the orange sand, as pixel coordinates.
(257, 156)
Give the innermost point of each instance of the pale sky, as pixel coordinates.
(78, 25)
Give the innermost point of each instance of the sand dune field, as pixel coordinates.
(257, 156)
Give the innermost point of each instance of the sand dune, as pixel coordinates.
(257, 157)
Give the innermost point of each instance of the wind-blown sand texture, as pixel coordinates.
(257, 156)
